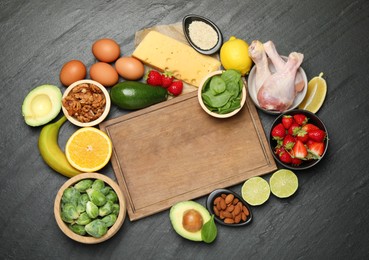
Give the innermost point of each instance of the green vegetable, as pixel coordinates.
(116, 209)
(71, 195)
(209, 231)
(96, 196)
(222, 94)
(106, 190)
(134, 95)
(96, 228)
(83, 185)
(112, 196)
(106, 209)
(92, 210)
(83, 219)
(78, 229)
(98, 184)
(109, 220)
(89, 201)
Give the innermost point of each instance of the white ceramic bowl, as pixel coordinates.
(74, 120)
(301, 75)
(199, 91)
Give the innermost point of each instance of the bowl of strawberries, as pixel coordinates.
(298, 139)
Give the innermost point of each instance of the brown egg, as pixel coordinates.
(72, 71)
(130, 68)
(106, 50)
(104, 73)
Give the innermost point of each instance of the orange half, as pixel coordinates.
(89, 149)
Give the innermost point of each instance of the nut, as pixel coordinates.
(230, 209)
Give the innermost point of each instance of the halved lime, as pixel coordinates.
(283, 183)
(255, 191)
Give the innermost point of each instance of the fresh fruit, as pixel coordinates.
(299, 150)
(234, 55)
(302, 135)
(296, 161)
(176, 88)
(287, 121)
(289, 142)
(41, 105)
(284, 156)
(50, 151)
(317, 135)
(308, 127)
(133, 95)
(283, 183)
(300, 119)
(278, 132)
(166, 79)
(294, 129)
(255, 191)
(88, 149)
(316, 149)
(188, 218)
(315, 95)
(154, 78)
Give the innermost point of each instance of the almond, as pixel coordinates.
(229, 199)
(229, 220)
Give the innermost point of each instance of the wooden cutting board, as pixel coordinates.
(174, 151)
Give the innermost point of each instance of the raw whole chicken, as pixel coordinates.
(275, 91)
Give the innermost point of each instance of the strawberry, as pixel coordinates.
(166, 79)
(317, 135)
(299, 150)
(308, 127)
(285, 157)
(288, 142)
(176, 88)
(154, 78)
(296, 161)
(316, 149)
(294, 129)
(287, 121)
(278, 132)
(300, 119)
(302, 135)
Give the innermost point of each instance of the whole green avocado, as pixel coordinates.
(133, 95)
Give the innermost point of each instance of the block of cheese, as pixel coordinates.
(165, 53)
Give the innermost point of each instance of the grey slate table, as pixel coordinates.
(326, 219)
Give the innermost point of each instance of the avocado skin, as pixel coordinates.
(132, 95)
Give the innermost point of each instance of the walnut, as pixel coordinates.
(86, 102)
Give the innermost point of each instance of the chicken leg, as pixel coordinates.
(258, 55)
(278, 90)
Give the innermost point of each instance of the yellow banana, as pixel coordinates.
(51, 152)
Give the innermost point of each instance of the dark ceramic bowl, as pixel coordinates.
(188, 19)
(313, 119)
(210, 203)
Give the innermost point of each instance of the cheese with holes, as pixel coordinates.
(167, 54)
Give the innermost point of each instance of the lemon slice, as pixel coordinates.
(283, 183)
(315, 95)
(255, 191)
(88, 149)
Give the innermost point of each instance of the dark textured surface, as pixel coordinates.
(326, 219)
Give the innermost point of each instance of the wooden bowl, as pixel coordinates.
(97, 121)
(203, 106)
(89, 239)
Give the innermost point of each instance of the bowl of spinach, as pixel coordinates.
(222, 94)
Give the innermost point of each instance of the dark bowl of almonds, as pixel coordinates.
(229, 208)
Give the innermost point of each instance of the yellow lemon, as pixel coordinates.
(315, 95)
(88, 149)
(234, 54)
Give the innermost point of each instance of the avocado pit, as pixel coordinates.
(192, 220)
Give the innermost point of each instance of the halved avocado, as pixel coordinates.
(42, 105)
(188, 218)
